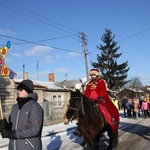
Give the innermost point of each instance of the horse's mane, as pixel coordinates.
(90, 107)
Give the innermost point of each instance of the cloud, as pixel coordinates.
(72, 54)
(48, 59)
(62, 70)
(7, 32)
(58, 56)
(37, 50)
(16, 55)
(8, 60)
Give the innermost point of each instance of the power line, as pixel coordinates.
(36, 16)
(39, 40)
(134, 35)
(32, 42)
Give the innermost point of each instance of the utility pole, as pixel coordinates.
(85, 54)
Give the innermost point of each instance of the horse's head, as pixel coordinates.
(74, 106)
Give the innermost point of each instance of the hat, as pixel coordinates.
(27, 85)
(94, 71)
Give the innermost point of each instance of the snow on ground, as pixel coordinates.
(47, 141)
(59, 140)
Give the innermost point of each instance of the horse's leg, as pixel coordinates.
(113, 140)
(110, 135)
(83, 143)
(96, 142)
(88, 143)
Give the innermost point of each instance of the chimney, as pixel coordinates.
(25, 75)
(51, 77)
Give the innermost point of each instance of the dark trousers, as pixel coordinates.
(129, 113)
(124, 111)
(146, 113)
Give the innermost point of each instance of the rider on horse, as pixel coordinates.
(96, 90)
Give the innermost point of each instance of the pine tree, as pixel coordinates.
(114, 74)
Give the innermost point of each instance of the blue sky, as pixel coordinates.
(47, 33)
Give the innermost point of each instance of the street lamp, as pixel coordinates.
(23, 72)
(38, 70)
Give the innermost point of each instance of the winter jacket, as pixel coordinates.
(116, 103)
(136, 104)
(129, 105)
(27, 123)
(144, 105)
(124, 102)
(98, 91)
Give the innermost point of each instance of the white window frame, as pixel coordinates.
(58, 102)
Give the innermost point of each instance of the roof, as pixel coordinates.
(71, 83)
(44, 84)
(134, 90)
(49, 85)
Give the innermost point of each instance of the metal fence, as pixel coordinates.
(52, 115)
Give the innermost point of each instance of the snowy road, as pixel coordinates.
(133, 134)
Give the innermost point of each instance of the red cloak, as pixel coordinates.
(108, 109)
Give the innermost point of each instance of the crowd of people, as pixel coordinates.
(134, 107)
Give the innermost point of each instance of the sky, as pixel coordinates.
(45, 36)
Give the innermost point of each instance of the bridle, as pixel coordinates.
(76, 114)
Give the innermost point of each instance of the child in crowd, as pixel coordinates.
(145, 107)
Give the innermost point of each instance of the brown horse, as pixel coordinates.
(91, 122)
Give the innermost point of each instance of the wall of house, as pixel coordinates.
(54, 113)
(7, 90)
(8, 95)
(40, 95)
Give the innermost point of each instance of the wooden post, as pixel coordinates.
(1, 111)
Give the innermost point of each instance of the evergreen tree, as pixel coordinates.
(114, 74)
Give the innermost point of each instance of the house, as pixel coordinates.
(129, 93)
(69, 84)
(50, 96)
(146, 90)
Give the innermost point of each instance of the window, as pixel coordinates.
(57, 100)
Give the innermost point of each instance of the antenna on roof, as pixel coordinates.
(66, 76)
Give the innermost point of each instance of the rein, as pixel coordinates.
(82, 105)
(77, 109)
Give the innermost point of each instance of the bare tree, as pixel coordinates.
(135, 83)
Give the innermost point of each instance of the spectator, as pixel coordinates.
(123, 105)
(136, 109)
(129, 106)
(25, 123)
(148, 100)
(116, 102)
(140, 106)
(144, 107)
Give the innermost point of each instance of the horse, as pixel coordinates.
(91, 122)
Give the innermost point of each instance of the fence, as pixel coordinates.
(52, 115)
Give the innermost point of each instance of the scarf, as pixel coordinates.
(22, 101)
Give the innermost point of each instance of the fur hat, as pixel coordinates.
(27, 85)
(94, 71)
